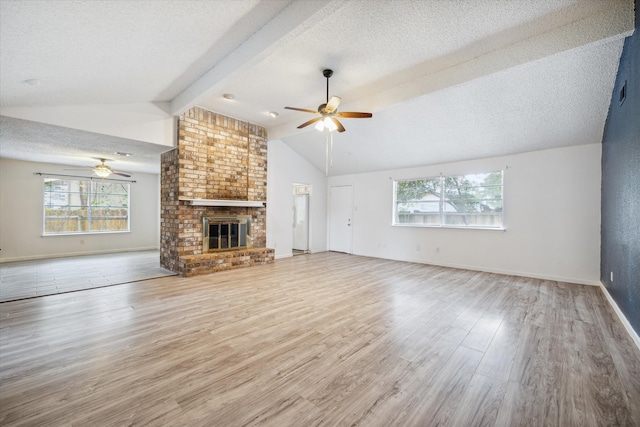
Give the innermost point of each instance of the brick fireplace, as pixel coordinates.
(219, 169)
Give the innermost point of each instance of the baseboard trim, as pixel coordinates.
(507, 272)
(632, 333)
(72, 254)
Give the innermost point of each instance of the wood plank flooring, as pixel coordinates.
(320, 340)
(34, 278)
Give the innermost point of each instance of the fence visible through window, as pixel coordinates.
(85, 206)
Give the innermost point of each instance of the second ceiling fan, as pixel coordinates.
(329, 111)
(102, 170)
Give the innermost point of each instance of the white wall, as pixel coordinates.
(552, 218)
(286, 167)
(552, 215)
(21, 197)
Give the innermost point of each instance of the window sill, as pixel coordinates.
(84, 233)
(449, 227)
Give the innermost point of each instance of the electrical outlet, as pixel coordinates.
(417, 247)
(437, 250)
(82, 242)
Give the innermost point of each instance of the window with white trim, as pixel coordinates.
(80, 206)
(473, 201)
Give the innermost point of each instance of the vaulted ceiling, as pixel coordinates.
(445, 80)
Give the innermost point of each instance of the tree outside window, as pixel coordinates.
(473, 200)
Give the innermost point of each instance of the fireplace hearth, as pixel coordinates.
(225, 233)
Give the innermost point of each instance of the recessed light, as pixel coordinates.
(228, 96)
(121, 153)
(273, 114)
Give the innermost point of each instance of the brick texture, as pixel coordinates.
(194, 265)
(221, 158)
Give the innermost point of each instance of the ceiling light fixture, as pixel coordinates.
(228, 96)
(327, 124)
(102, 171)
(273, 114)
(122, 153)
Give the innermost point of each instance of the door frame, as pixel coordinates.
(302, 189)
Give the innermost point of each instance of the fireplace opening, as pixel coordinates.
(223, 233)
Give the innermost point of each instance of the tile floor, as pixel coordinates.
(27, 279)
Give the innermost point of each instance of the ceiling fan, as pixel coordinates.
(329, 112)
(102, 170)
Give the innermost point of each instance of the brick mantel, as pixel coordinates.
(217, 158)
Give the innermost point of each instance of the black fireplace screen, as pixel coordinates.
(226, 232)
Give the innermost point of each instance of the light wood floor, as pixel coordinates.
(34, 278)
(324, 339)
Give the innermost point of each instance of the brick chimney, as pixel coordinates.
(218, 158)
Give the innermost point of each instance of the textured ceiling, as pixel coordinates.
(106, 52)
(446, 80)
(45, 143)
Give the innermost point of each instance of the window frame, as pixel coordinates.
(90, 207)
(443, 202)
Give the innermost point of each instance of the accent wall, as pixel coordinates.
(620, 259)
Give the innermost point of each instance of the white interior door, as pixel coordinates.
(301, 222)
(340, 213)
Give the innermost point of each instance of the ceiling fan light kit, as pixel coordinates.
(326, 123)
(102, 170)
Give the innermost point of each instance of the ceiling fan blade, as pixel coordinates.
(354, 115)
(338, 124)
(88, 168)
(333, 104)
(125, 174)
(304, 110)
(312, 121)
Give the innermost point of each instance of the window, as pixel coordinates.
(85, 206)
(473, 201)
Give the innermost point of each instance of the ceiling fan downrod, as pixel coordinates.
(327, 73)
